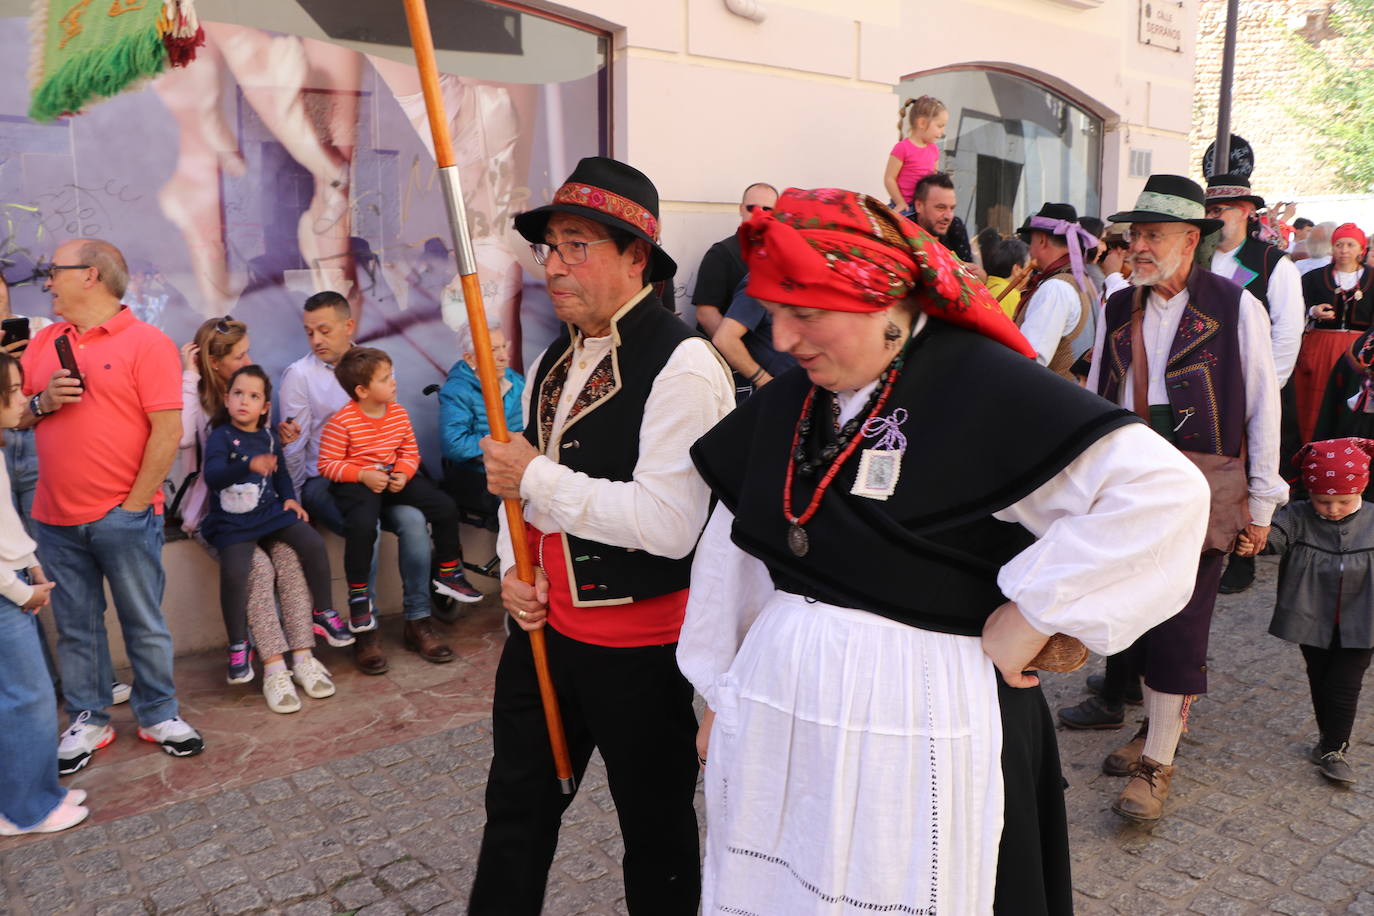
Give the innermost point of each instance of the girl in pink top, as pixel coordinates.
(920, 123)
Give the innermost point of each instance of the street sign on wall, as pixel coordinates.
(1161, 24)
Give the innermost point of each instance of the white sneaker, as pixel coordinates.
(313, 678)
(175, 736)
(280, 693)
(79, 742)
(60, 818)
(120, 692)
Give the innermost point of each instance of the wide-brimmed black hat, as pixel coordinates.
(1232, 187)
(612, 193)
(1064, 212)
(1170, 199)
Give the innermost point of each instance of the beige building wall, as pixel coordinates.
(1267, 79)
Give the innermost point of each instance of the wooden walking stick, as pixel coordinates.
(423, 42)
(1018, 278)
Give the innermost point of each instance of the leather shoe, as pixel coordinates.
(1093, 713)
(1239, 575)
(420, 637)
(1144, 796)
(1124, 760)
(367, 653)
(1098, 683)
(1333, 764)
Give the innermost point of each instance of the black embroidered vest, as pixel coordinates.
(985, 427)
(601, 439)
(1203, 377)
(1258, 258)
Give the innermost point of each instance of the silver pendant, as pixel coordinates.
(797, 541)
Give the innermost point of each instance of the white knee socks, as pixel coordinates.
(1166, 725)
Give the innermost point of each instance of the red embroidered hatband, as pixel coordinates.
(610, 203)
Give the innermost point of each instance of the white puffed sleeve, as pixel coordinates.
(729, 588)
(1119, 533)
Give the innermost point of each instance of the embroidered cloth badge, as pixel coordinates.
(880, 466)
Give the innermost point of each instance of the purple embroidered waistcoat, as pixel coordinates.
(1203, 378)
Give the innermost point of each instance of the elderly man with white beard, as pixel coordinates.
(1189, 352)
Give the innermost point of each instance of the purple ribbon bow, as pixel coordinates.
(1079, 240)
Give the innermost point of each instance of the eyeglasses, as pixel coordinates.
(1215, 210)
(223, 326)
(571, 253)
(750, 208)
(1149, 236)
(46, 271)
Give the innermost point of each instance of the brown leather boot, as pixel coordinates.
(1123, 760)
(367, 653)
(1143, 798)
(420, 637)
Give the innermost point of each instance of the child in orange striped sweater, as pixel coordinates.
(368, 450)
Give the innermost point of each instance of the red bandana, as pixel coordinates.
(1336, 467)
(834, 249)
(1349, 231)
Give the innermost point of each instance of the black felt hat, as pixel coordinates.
(1048, 211)
(1170, 199)
(1232, 187)
(612, 193)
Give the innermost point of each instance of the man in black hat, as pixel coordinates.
(1189, 352)
(613, 511)
(1272, 278)
(1057, 303)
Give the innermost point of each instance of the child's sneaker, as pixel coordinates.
(313, 678)
(280, 693)
(79, 743)
(120, 692)
(330, 628)
(456, 586)
(240, 663)
(360, 616)
(175, 736)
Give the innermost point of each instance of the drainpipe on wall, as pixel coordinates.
(749, 9)
(1221, 159)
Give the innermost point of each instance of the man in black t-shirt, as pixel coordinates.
(722, 268)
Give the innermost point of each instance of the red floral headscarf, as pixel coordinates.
(833, 249)
(1335, 467)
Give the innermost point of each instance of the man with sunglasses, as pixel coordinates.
(722, 268)
(613, 511)
(106, 441)
(1270, 276)
(1189, 352)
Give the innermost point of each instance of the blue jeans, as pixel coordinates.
(28, 722)
(125, 549)
(412, 537)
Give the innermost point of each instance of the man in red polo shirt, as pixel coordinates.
(105, 444)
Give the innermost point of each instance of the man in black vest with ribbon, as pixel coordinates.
(614, 508)
(1264, 271)
(1189, 352)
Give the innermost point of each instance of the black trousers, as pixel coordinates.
(236, 564)
(633, 705)
(1335, 675)
(362, 510)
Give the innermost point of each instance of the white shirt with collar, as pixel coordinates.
(309, 394)
(1268, 490)
(1051, 315)
(1287, 312)
(662, 508)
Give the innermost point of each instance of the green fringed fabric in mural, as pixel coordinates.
(90, 50)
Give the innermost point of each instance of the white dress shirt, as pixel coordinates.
(309, 394)
(1268, 490)
(16, 547)
(662, 508)
(1287, 312)
(1051, 315)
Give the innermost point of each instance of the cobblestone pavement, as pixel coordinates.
(1251, 827)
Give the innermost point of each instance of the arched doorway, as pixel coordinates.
(1012, 144)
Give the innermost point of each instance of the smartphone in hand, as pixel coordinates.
(15, 330)
(68, 359)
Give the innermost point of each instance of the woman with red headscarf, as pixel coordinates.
(1340, 306)
(904, 520)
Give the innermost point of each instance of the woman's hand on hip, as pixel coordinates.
(1011, 643)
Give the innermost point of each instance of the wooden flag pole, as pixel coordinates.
(423, 42)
